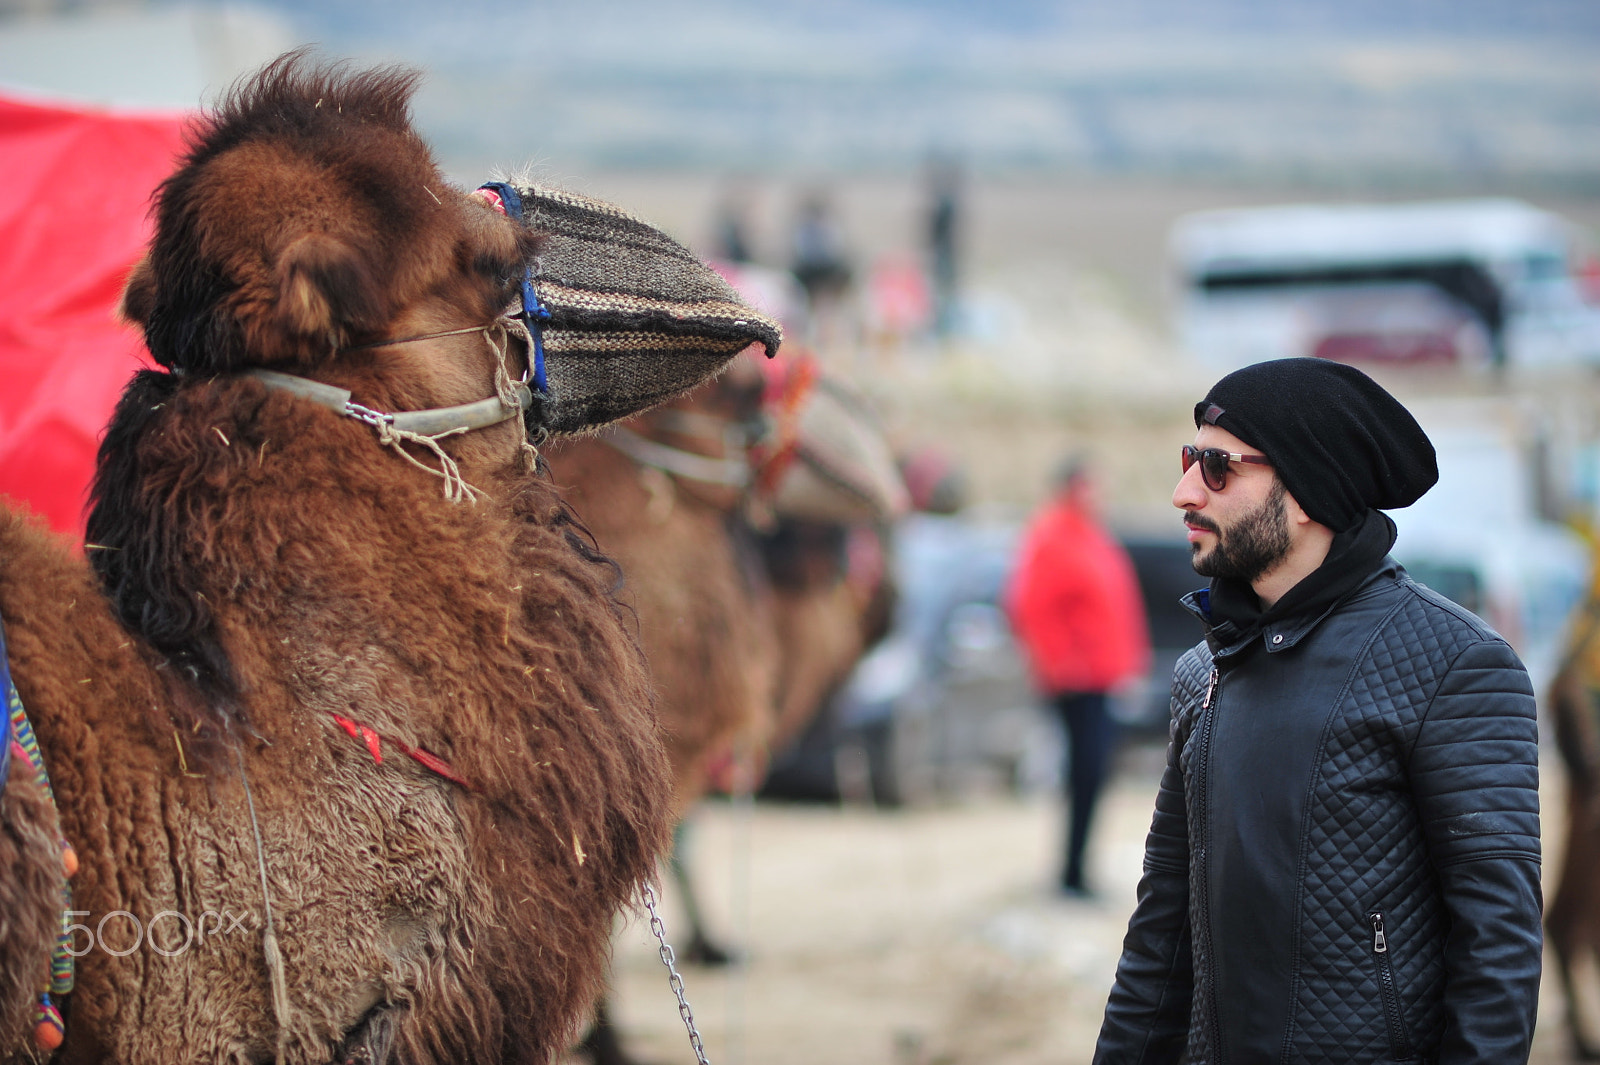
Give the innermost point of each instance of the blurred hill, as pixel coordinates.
(1327, 91)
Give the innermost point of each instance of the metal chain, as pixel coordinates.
(669, 959)
(367, 414)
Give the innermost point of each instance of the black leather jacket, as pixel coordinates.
(1343, 865)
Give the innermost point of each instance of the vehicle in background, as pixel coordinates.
(1478, 536)
(1475, 283)
(948, 671)
(944, 707)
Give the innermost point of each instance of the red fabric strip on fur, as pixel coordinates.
(433, 762)
(364, 734)
(428, 760)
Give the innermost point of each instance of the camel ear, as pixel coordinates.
(324, 289)
(138, 293)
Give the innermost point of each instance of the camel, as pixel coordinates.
(733, 549)
(833, 487)
(730, 511)
(691, 568)
(346, 726)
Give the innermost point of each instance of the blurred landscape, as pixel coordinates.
(1318, 91)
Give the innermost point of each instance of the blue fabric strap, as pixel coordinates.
(534, 312)
(8, 693)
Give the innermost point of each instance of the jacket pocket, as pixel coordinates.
(1399, 1041)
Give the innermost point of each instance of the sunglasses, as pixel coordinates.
(1214, 463)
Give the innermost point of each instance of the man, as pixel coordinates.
(1343, 865)
(1074, 602)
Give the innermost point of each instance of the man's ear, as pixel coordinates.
(138, 294)
(1301, 523)
(1295, 513)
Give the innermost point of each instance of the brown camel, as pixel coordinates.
(690, 567)
(350, 702)
(747, 625)
(731, 512)
(833, 489)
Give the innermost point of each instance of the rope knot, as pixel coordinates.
(497, 335)
(456, 487)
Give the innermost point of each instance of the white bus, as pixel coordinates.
(1489, 282)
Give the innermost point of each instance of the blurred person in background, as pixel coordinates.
(1343, 865)
(731, 224)
(944, 222)
(1074, 602)
(818, 258)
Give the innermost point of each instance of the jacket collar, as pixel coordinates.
(1233, 616)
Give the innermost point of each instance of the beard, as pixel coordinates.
(1251, 546)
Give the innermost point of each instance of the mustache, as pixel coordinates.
(1200, 521)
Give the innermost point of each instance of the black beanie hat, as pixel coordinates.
(1338, 441)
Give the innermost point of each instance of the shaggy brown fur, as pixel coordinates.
(262, 565)
(307, 217)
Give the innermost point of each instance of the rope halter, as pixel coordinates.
(426, 428)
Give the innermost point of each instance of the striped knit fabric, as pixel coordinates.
(6, 733)
(26, 746)
(635, 318)
(22, 735)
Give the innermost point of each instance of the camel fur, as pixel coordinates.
(30, 898)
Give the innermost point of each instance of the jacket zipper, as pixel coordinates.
(1203, 763)
(1399, 1042)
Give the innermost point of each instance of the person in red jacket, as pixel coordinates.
(1075, 605)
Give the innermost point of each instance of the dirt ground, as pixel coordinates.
(921, 937)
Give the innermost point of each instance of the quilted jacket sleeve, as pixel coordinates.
(1147, 1015)
(1475, 775)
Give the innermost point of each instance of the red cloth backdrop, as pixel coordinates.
(75, 188)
